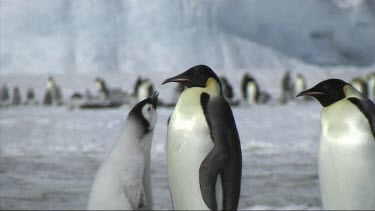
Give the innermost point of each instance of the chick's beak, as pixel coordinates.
(154, 99)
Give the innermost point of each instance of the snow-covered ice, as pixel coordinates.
(49, 155)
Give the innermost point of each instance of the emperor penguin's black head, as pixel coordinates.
(197, 76)
(144, 113)
(327, 92)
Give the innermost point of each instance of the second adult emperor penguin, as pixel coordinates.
(347, 146)
(123, 181)
(204, 158)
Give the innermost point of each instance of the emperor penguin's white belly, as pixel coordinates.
(346, 158)
(299, 85)
(251, 93)
(143, 91)
(188, 144)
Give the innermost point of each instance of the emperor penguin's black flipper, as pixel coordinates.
(209, 171)
(225, 159)
(366, 106)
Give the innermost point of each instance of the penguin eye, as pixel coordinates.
(149, 109)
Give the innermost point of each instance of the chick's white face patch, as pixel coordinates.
(150, 114)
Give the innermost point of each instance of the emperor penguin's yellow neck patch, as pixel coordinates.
(213, 86)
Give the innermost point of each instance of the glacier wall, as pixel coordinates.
(84, 36)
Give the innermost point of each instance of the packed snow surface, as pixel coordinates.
(49, 155)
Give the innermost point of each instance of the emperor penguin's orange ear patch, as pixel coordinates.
(211, 83)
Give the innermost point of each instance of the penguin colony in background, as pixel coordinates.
(15, 98)
(347, 146)
(106, 96)
(123, 181)
(53, 94)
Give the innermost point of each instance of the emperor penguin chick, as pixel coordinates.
(347, 146)
(123, 181)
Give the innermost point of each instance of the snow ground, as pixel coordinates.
(49, 156)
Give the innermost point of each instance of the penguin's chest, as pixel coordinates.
(299, 87)
(189, 140)
(346, 126)
(143, 91)
(251, 90)
(346, 159)
(189, 134)
(188, 144)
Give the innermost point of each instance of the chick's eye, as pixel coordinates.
(149, 109)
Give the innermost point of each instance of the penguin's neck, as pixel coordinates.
(190, 98)
(133, 140)
(350, 91)
(191, 94)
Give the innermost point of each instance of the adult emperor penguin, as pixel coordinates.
(103, 91)
(300, 85)
(347, 146)
(360, 84)
(250, 89)
(145, 89)
(204, 159)
(16, 96)
(123, 181)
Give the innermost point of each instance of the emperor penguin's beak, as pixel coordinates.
(154, 99)
(309, 92)
(182, 78)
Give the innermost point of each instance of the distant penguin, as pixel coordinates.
(360, 85)
(287, 90)
(16, 96)
(58, 95)
(371, 85)
(53, 94)
(245, 79)
(47, 100)
(250, 90)
(76, 99)
(88, 95)
(123, 181)
(347, 146)
(227, 88)
(112, 96)
(30, 97)
(136, 86)
(204, 159)
(145, 89)
(4, 95)
(102, 88)
(299, 84)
